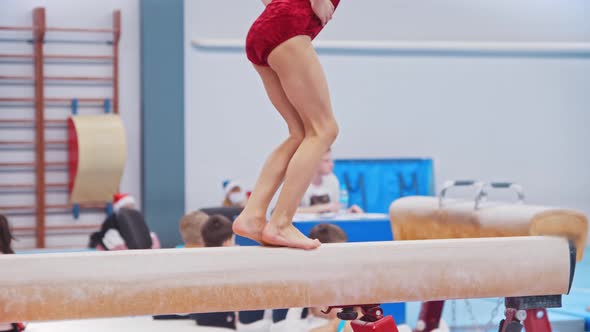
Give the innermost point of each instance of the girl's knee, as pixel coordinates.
(296, 136)
(330, 132)
(325, 131)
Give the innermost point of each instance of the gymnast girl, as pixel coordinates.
(279, 46)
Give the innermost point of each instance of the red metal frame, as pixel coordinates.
(536, 319)
(52, 142)
(510, 315)
(53, 100)
(116, 38)
(13, 77)
(51, 206)
(16, 100)
(57, 78)
(32, 186)
(59, 57)
(13, 28)
(48, 122)
(32, 164)
(17, 56)
(430, 314)
(372, 319)
(78, 78)
(39, 36)
(61, 228)
(72, 154)
(69, 100)
(53, 29)
(39, 30)
(78, 57)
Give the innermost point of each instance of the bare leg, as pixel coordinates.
(304, 83)
(252, 220)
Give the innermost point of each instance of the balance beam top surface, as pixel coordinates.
(144, 282)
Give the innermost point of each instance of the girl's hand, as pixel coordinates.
(324, 9)
(266, 2)
(355, 209)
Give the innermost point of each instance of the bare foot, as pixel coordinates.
(249, 227)
(288, 237)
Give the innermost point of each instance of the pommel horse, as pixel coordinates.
(425, 218)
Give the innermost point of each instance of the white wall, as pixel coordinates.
(64, 13)
(487, 117)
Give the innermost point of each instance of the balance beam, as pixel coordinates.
(129, 283)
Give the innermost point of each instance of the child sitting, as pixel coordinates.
(323, 194)
(217, 232)
(190, 229)
(124, 229)
(329, 233)
(5, 236)
(316, 320)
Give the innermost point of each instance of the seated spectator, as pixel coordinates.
(254, 321)
(316, 320)
(124, 229)
(323, 194)
(6, 249)
(234, 194)
(297, 319)
(5, 236)
(327, 233)
(190, 229)
(217, 232)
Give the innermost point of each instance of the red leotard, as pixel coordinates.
(281, 21)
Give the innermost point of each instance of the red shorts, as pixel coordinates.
(281, 21)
